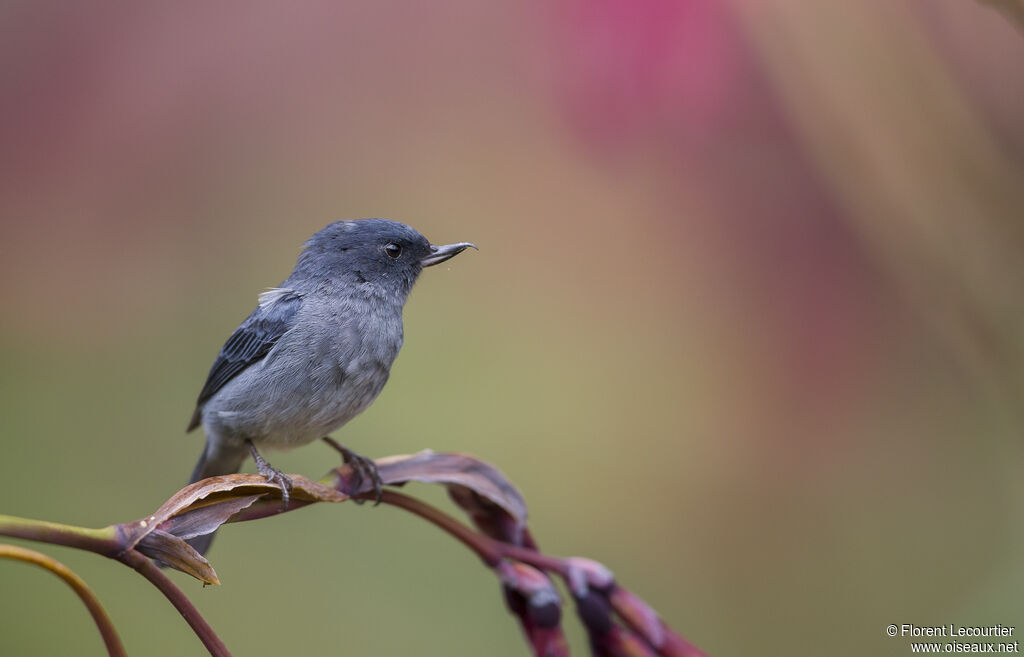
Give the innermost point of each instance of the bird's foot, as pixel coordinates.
(364, 469)
(272, 474)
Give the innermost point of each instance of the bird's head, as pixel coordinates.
(379, 252)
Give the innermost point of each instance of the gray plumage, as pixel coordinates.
(318, 349)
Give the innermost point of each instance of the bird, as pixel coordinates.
(315, 352)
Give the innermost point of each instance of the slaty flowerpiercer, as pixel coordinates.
(316, 351)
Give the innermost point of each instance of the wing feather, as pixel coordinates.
(250, 343)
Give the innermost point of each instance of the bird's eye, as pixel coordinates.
(393, 251)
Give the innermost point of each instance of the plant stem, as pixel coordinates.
(78, 585)
(148, 569)
(483, 546)
(488, 549)
(534, 558)
(103, 541)
(108, 542)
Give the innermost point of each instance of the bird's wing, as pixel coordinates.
(250, 342)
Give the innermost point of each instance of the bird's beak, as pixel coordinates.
(439, 254)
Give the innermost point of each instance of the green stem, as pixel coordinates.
(78, 585)
(105, 541)
(108, 542)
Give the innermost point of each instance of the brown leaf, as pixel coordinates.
(201, 520)
(454, 470)
(202, 507)
(490, 518)
(226, 489)
(173, 552)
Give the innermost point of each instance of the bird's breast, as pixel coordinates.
(326, 370)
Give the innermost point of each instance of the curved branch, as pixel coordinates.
(109, 542)
(488, 549)
(499, 537)
(484, 547)
(643, 622)
(78, 585)
(105, 540)
(149, 570)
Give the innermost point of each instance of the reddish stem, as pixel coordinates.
(483, 546)
(109, 542)
(148, 569)
(490, 551)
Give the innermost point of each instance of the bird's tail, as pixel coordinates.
(216, 459)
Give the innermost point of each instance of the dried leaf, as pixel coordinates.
(490, 518)
(202, 507)
(226, 489)
(202, 520)
(452, 470)
(173, 552)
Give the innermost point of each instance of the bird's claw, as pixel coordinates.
(363, 469)
(272, 475)
(275, 476)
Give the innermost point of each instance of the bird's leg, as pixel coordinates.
(272, 474)
(362, 466)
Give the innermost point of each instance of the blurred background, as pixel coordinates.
(745, 324)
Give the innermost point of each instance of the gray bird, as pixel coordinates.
(316, 351)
